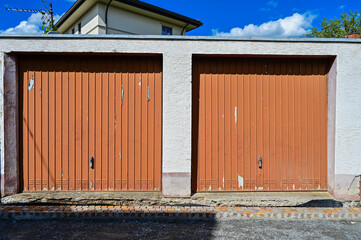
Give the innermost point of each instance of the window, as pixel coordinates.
(73, 31)
(79, 28)
(166, 30)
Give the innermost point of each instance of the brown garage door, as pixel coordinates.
(90, 123)
(259, 124)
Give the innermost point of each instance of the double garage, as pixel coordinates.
(94, 123)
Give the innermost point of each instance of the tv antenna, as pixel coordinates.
(48, 14)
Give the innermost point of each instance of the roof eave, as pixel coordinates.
(138, 4)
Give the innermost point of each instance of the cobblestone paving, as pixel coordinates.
(176, 212)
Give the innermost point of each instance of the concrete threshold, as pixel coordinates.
(230, 199)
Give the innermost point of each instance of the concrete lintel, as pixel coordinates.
(9, 122)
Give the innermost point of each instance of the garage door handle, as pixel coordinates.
(91, 162)
(260, 162)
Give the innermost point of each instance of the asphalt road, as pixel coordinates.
(179, 230)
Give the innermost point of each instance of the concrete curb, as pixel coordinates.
(156, 213)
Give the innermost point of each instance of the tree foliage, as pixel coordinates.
(46, 24)
(338, 27)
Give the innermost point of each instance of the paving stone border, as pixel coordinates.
(172, 213)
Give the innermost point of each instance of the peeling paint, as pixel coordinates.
(90, 185)
(260, 188)
(31, 84)
(240, 181)
(294, 187)
(210, 188)
(122, 91)
(235, 116)
(120, 156)
(223, 180)
(140, 82)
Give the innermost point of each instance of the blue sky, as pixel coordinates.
(266, 18)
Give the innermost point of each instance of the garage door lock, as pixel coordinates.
(260, 162)
(91, 162)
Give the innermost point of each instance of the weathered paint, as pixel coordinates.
(344, 153)
(57, 139)
(282, 120)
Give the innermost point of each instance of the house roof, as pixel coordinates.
(137, 4)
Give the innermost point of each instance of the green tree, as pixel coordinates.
(338, 27)
(46, 24)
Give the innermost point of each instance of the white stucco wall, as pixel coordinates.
(89, 22)
(177, 90)
(121, 22)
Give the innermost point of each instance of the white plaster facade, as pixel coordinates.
(122, 20)
(344, 113)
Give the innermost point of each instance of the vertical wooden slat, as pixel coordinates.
(98, 127)
(92, 122)
(233, 126)
(254, 136)
(208, 123)
(247, 126)
(44, 153)
(131, 139)
(112, 126)
(118, 158)
(52, 131)
(297, 126)
(38, 129)
(213, 126)
(158, 123)
(72, 125)
(58, 125)
(65, 128)
(125, 85)
(266, 125)
(323, 128)
(144, 124)
(31, 114)
(150, 124)
(24, 73)
(291, 126)
(85, 169)
(221, 122)
(304, 100)
(259, 126)
(78, 125)
(104, 125)
(227, 127)
(272, 125)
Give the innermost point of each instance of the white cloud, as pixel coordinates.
(30, 26)
(270, 5)
(296, 25)
(341, 7)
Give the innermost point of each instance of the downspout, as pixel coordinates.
(184, 28)
(106, 17)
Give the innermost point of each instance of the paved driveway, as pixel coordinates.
(249, 229)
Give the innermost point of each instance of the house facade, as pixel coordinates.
(124, 17)
(180, 114)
